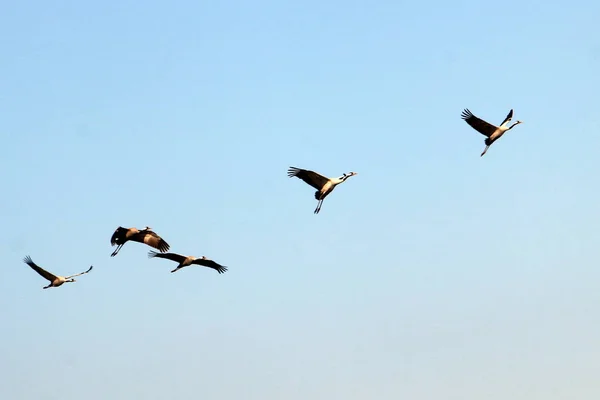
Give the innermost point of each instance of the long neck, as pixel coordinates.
(513, 125)
(337, 181)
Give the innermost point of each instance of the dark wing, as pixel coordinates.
(169, 256)
(311, 177)
(210, 264)
(508, 117)
(151, 239)
(27, 260)
(118, 236)
(481, 126)
(81, 273)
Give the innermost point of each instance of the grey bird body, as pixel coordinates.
(55, 280)
(323, 184)
(146, 236)
(185, 261)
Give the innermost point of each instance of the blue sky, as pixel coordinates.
(433, 273)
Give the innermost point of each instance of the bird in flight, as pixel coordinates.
(146, 235)
(323, 184)
(55, 280)
(492, 132)
(185, 261)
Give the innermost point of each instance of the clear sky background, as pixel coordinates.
(432, 274)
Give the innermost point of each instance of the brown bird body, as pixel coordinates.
(55, 280)
(147, 236)
(492, 132)
(185, 261)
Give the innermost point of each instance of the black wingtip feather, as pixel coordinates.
(163, 246)
(293, 171)
(117, 236)
(466, 114)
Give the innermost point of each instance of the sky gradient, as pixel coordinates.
(432, 274)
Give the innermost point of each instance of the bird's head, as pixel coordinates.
(71, 280)
(348, 175)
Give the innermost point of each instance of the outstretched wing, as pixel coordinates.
(508, 117)
(51, 277)
(481, 126)
(169, 256)
(81, 273)
(151, 239)
(311, 177)
(210, 264)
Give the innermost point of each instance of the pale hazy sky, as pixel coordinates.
(432, 274)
